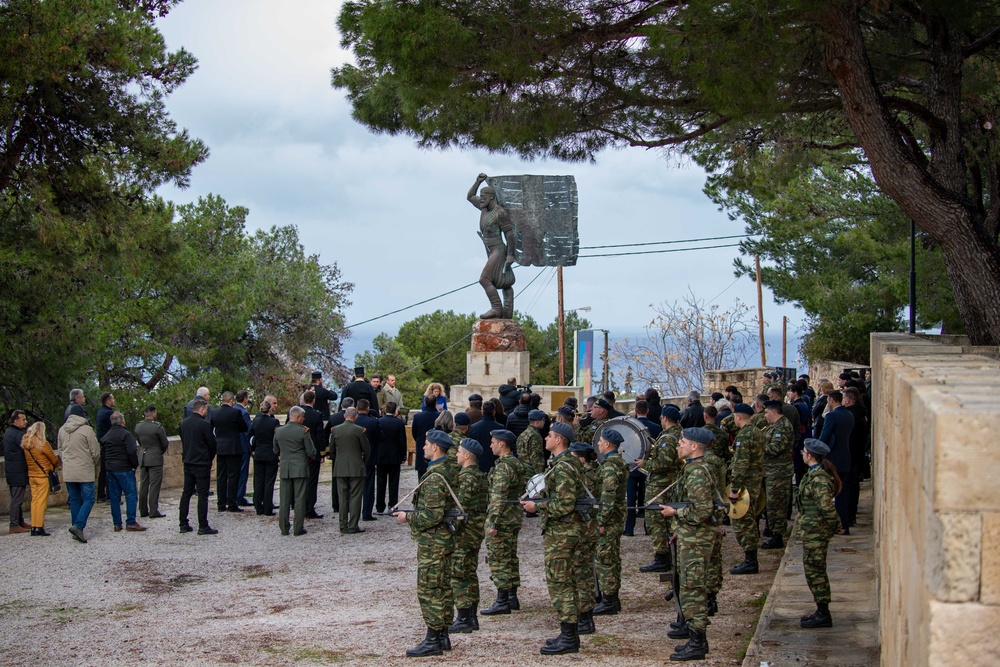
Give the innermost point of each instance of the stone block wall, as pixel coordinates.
(831, 370)
(937, 500)
(750, 382)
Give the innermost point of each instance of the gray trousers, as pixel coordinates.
(16, 505)
(150, 478)
(293, 488)
(350, 492)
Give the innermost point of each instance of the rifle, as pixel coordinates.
(450, 517)
(656, 507)
(583, 505)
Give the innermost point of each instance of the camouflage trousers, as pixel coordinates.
(561, 547)
(814, 564)
(501, 556)
(584, 567)
(434, 586)
(464, 574)
(713, 582)
(747, 529)
(778, 483)
(694, 552)
(608, 558)
(659, 525)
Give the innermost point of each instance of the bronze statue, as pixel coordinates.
(497, 276)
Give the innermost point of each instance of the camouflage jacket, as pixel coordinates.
(614, 480)
(818, 518)
(430, 502)
(722, 445)
(662, 463)
(747, 467)
(474, 495)
(779, 440)
(507, 481)
(531, 450)
(564, 485)
(587, 433)
(695, 485)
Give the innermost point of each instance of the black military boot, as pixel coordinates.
(501, 606)
(445, 639)
(568, 641)
(463, 624)
(749, 564)
(819, 619)
(682, 632)
(474, 617)
(713, 604)
(678, 623)
(695, 649)
(774, 542)
(585, 624)
(598, 595)
(430, 646)
(661, 563)
(609, 605)
(512, 601)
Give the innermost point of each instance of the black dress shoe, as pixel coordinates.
(355, 530)
(243, 502)
(265, 513)
(314, 515)
(186, 528)
(157, 515)
(143, 514)
(235, 508)
(301, 532)
(368, 518)
(207, 531)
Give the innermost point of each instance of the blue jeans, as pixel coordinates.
(117, 483)
(81, 501)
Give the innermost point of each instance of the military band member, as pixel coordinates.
(662, 465)
(759, 420)
(472, 490)
(720, 473)
(818, 522)
(530, 446)
(722, 445)
(507, 480)
(584, 558)
(695, 531)
(435, 545)
(779, 440)
(747, 471)
(567, 415)
(610, 522)
(599, 414)
(562, 527)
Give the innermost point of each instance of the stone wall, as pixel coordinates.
(750, 381)
(937, 500)
(831, 370)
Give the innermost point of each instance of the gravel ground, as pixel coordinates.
(252, 597)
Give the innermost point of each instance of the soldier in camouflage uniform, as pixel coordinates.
(473, 494)
(662, 465)
(818, 522)
(530, 447)
(722, 444)
(435, 545)
(713, 582)
(562, 527)
(695, 529)
(584, 557)
(747, 471)
(503, 522)
(610, 522)
(758, 420)
(779, 440)
(599, 413)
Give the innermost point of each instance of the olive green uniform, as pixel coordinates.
(435, 545)
(473, 493)
(719, 472)
(611, 517)
(818, 522)
(695, 529)
(746, 470)
(585, 572)
(531, 450)
(507, 480)
(779, 441)
(562, 527)
(662, 465)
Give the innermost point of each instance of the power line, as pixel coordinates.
(657, 252)
(712, 300)
(636, 245)
(412, 305)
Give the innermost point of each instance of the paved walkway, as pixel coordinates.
(853, 639)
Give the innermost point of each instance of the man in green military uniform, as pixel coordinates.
(530, 447)
(662, 465)
(503, 522)
(294, 447)
(351, 451)
(435, 545)
(758, 420)
(722, 444)
(599, 415)
(695, 531)
(747, 471)
(614, 474)
(472, 490)
(779, 441)
(562, 526)
(713, 580)
(584, 556)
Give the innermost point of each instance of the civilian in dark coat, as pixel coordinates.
(323, 395)
(265, 461)
(103, 422)
(202, 394)
(423, 421)
(858, 449)
(16, 469)
(313, 421)
(121, 458)
(693, 415)
(242, 404)
(198, 447)
(480, 432)
(390, 455)
(509, 396)
(837, 427)
(359, 389)
(517, 420)
(475, 409)
(370, 425)
(229, 424)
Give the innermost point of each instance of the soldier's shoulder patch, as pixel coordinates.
(736, 444)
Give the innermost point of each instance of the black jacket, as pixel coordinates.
(693, 415)
(361, 389)
(517, 421)
(262, 438)
(14, 462)
(103, 421)
(391, 448)
(480, 431)
(198, 441)
(314, 422)
(370, 424)
(121, 451)
(509, 397)
(423, 421)
(323, 398)
(228, 423)
(859, 437)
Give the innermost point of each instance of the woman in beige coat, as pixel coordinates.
(41, 461)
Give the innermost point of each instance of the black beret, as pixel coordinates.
(567, 412)
(772, 404)
(742, 408)
(612, 436)
(471, 446)
(604, 404)
(670, 412)
(462, 419)
(581, 447)
(702, 435)
(565, 430)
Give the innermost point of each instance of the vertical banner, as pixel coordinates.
(583, 367)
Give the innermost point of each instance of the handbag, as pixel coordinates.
(54, 485)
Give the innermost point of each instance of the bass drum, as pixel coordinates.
(637, 439)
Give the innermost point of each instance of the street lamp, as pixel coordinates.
(562, 340)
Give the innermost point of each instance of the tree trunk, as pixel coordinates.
(974, 270)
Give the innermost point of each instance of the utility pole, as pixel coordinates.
(784, 341)
(913, 276)
(562, 330)
(760, 312)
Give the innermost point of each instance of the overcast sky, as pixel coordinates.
(394, 217)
